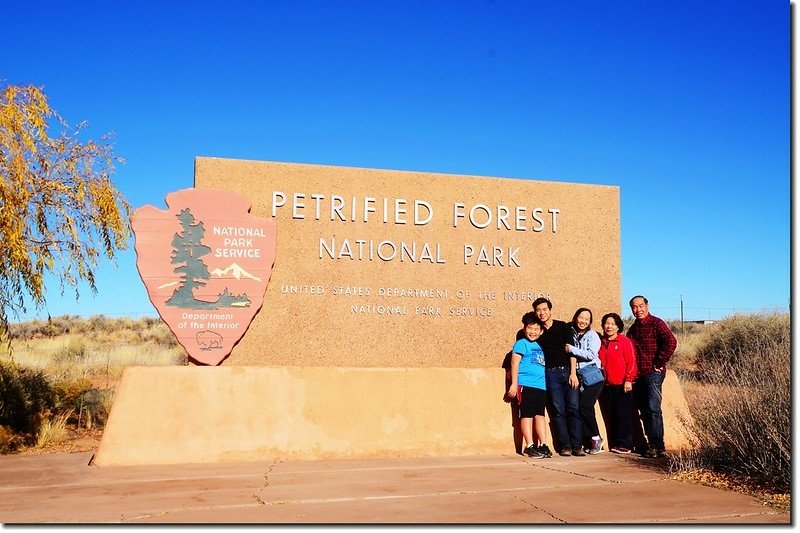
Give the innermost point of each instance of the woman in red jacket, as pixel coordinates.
(618, 359)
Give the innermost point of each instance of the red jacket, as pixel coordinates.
(618, 358)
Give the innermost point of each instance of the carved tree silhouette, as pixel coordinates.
(187, 249)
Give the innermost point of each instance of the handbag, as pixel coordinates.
(591, 375)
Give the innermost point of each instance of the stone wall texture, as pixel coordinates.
(438, 275)
(254, 413)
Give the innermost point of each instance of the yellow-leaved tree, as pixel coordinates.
(59, 210)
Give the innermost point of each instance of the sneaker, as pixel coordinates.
(546, 453)
(620, 449)
(597, 447)
(533, 451)
(565, 452)
(578, 452)
(650, 453)
(661, 453)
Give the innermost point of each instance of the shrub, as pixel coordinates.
(68, 392)
(99, 323)
(46, 378)
(741, 400)
(26, 397)
(52, 327)
(93, 407)
(9, 440)
(741, 340)
(74, 352)
(52, 431)
(160, 335)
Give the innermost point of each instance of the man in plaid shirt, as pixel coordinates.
(654, 344)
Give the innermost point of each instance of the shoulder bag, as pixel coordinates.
(590, 375)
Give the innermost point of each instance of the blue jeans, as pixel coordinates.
(648, 400)
(562, 406)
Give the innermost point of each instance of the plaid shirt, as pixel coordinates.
(654, 343)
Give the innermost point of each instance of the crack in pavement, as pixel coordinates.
(256, 495)
(529, 504)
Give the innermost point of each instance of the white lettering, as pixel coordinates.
(417, 219)
(297, 204)
(520, 218)
(554, 212)
(317, 204)
(391, 245)
(491, 255)
(535, 216)
(276, 203)
(458, 213)
(337, 203)
(502, 216)
(473, 219)
(254, 253)
(367, 208)
(399, 212)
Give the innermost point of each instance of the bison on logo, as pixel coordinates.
(206, 263)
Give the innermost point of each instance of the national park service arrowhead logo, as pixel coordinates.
(206, 263)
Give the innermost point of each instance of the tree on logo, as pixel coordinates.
(187, 250)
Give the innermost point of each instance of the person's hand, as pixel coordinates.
(512, 391)
(627, 387)
(573, 381)
(567, 348)
(661, 369)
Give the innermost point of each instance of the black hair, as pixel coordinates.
(617, 319)
(630, 302)
(578, 312)
(542, 300)
(529, 318)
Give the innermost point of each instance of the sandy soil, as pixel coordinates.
(83, 440)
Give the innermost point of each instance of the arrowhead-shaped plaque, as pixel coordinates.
(206, 263)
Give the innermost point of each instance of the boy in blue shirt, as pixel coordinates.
(528, 386)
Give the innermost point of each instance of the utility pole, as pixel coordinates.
(682, 330)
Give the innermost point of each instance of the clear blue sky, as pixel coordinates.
(684, 105)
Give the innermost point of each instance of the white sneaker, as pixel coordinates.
(597, 447)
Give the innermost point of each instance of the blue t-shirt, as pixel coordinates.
(531, 367)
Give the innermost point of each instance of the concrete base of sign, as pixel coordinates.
(221, 414)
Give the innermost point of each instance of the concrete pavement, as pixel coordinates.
(486, 489)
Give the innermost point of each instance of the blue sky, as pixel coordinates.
(684, 105)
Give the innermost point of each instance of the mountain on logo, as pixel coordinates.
(233, 270)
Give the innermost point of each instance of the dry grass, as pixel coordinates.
(71, 356)
(781, 501)
(59, 378)
(53, 431)
(738, 388)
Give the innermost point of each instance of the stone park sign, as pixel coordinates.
(206, 263)
(387, 285)
(382, 268)
(331, 285)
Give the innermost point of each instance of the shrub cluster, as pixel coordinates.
(741, 399)
(46, 381)
(26, 398)
(30, 403)
(97, 328)
(745, 341)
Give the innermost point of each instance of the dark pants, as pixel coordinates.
(588, 397)
(619, 406)
(562, 406)
(648, 401)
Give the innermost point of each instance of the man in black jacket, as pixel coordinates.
(561, 378)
